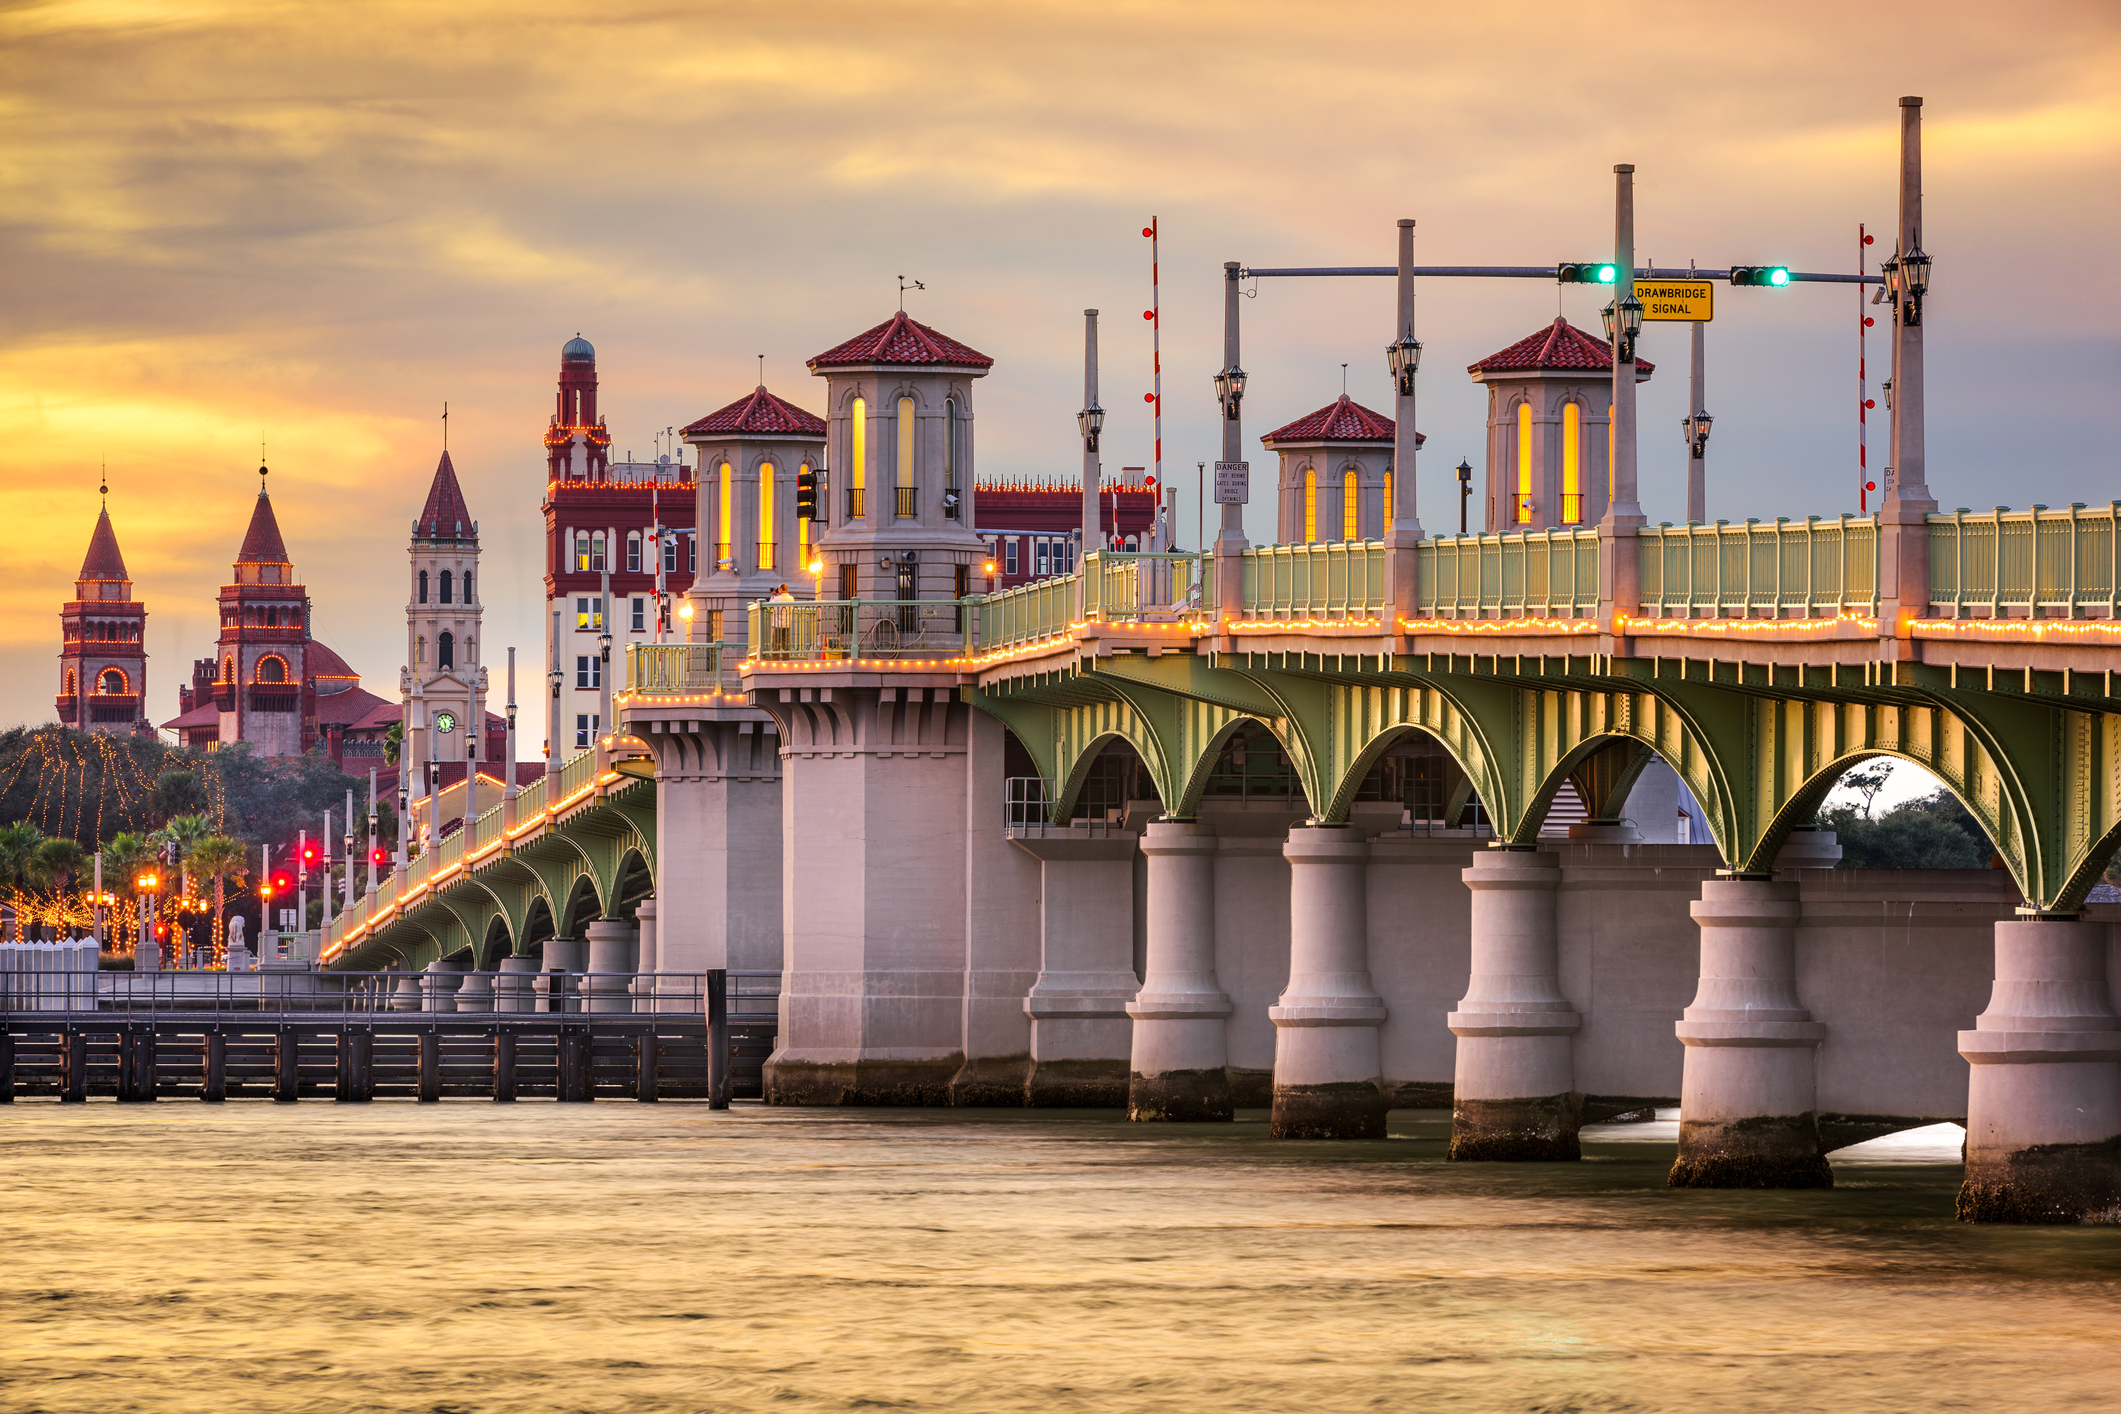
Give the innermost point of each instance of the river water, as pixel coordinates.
(608, 1257)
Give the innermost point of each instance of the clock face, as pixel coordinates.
(445, 721)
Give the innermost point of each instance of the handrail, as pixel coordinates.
(315, 993)
(1141, 587)
(827, 630)
(577, 775)
(1334, 579)
(1521, 574)
(1811, 567)
(2036, 562)
(1027, 613)
(675, 669)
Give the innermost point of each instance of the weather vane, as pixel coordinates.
(445, 427)
(902, 286)
(762, 357)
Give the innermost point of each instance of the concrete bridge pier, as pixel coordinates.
(1748, 1106)
(1178, 1068)
(1327, 1073)
(439, 983)
(406, 995)
(1081, 1036)
(513, 983)
(564, 957)
(612, 949)
(1514, 1084)
(475, 992)
(2043, 1126)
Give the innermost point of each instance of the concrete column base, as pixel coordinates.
(1345, 1109)
(798, 1080)
(1527, 1130)
(1180, 1096)
(1078, 1084)
(2043, 1110)
(990, 1082)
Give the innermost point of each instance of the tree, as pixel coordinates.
(182, 835)
(1932, 832)
(57, 863)
(220, 859)
(178, 792)
(393, 742)
(1867, 780)
(19, 843)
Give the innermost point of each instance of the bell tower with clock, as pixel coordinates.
(442, 619)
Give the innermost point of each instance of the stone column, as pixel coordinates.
(439, 983)
(406, 996)
(612, 951)
(475, 992)
(512, 986)
(1081, 1037)
(1514, 1084)
(1177, 1069)
(2043, 1104)
(561, 955)
(1748, 1095)
(644, 919)
(1326, 1069)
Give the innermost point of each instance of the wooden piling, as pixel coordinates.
(718, 1079)
(76, 1082)
(644, 1065)
(504, 1063)
(286, 1080)
(216, 1083)
(430, 1064)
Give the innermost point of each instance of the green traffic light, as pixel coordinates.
(1606, 274)
(1778, 276)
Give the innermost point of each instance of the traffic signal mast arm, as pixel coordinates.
(1550, 272)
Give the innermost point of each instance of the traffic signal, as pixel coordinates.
(806, 494)
(281, 883)
(1775, 276)
(309, 856)
(1586, 272)
(379, 857)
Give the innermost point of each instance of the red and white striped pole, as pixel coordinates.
(1155, 315)
(1863, 390)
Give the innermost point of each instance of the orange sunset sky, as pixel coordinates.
(312, 224)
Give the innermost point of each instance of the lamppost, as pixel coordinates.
(146, 950)
(1230, 391)
(604, 672)
(1630, 325)
(1696, 426)
(1465, 492)
(1090, 421)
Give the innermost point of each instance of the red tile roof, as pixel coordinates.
(325, 666)
(762, 413)
(348, 708)
(899, 340)
(1342, 421)
(204, 715)
(103, 560)
(262, 543)
(1560, 346)
(445, 516)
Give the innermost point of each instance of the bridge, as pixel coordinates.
(1275, 824)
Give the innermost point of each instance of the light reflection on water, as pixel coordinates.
(462, 1256)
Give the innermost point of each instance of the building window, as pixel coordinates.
(859, 455)
(670, 552)
(1387, 523)
(586, 727)
(588, 612)
(725, 516)
(112, 683)
(596, 552)
(423, 586)
(71, 683)
(272, 669)
(446, 650)
(640, 614)
(1572, 464)
(1523, 515)
(581, 551)
(849, 583)
(1009, 555)
(903, 470)
(714, 625)
(768, 541)
(692, 553)
(1310, 505)
(467, 587)
(950, 444)
(1041, 552)
(1350, 508)
(633, 552)
(448, 584)
(588, 672)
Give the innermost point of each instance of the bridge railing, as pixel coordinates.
(530, 800)
(1340, 579)
(328, 993)
(834, 629)
(1544, 573)
(1809, 567)
(1025, 614)
(577, 775)
(2029, 563)
(1129, 587)
(681, 669)
(488, 828)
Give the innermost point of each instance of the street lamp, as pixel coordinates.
(1887, 389)
(1230, 390)
(1465, 489)
(1696, 427)
(1915, 277)
(1403, 357)
(1092, 421)
(1630, 326)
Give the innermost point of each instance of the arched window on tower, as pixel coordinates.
(857, 459)
(1310, 505)
(725, 516)
(904, 469)
(272, 669)
(423, 586)
(1523, 511)
(1572, 464)
(112, 682)
(1350, 515)
(72, 683)
(228, 669)
(467, 588)
(446, 650)
(448, 585)
(769, 542)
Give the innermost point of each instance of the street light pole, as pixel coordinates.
(1619, 558)
(1230, 384)
(1903, 561)
(1091, 421)
(1697, 434)
(1402, 518)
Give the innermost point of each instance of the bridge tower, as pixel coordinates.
(751, 453)
(1339, 451)
(1550, 449)
(442, 620)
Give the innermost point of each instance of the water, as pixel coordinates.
(467, 1256)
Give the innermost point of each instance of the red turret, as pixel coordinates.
(577, 446)
(103, 654)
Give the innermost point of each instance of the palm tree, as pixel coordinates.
(124, 856)
(185, 833)
(18, 855)
(220, 859)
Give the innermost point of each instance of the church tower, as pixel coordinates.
(103, 652)
(442, 617)
(262, 685)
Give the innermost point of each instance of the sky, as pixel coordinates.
(308, 226)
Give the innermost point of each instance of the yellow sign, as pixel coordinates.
(1690, 301)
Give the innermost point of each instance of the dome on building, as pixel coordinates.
(578, 350)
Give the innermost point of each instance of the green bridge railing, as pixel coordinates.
(1810, 568)
(2034, 562)
(1532, 573)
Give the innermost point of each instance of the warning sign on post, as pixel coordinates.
(1233, 483)
(1689, 301)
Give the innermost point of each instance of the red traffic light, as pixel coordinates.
(379, 856)
(309, 854)
(282, 882)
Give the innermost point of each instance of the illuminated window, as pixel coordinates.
(581, 550)
(858, 475)
(272, 669)
(112, 682)
(71, 683)
(1387, 524)
(588, 613)
(725, 515)
(1310, 506)
(596, 553)
(1524, 464)
(1572, 464)
(769, 540)
(1350, 524)
(904, 469)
